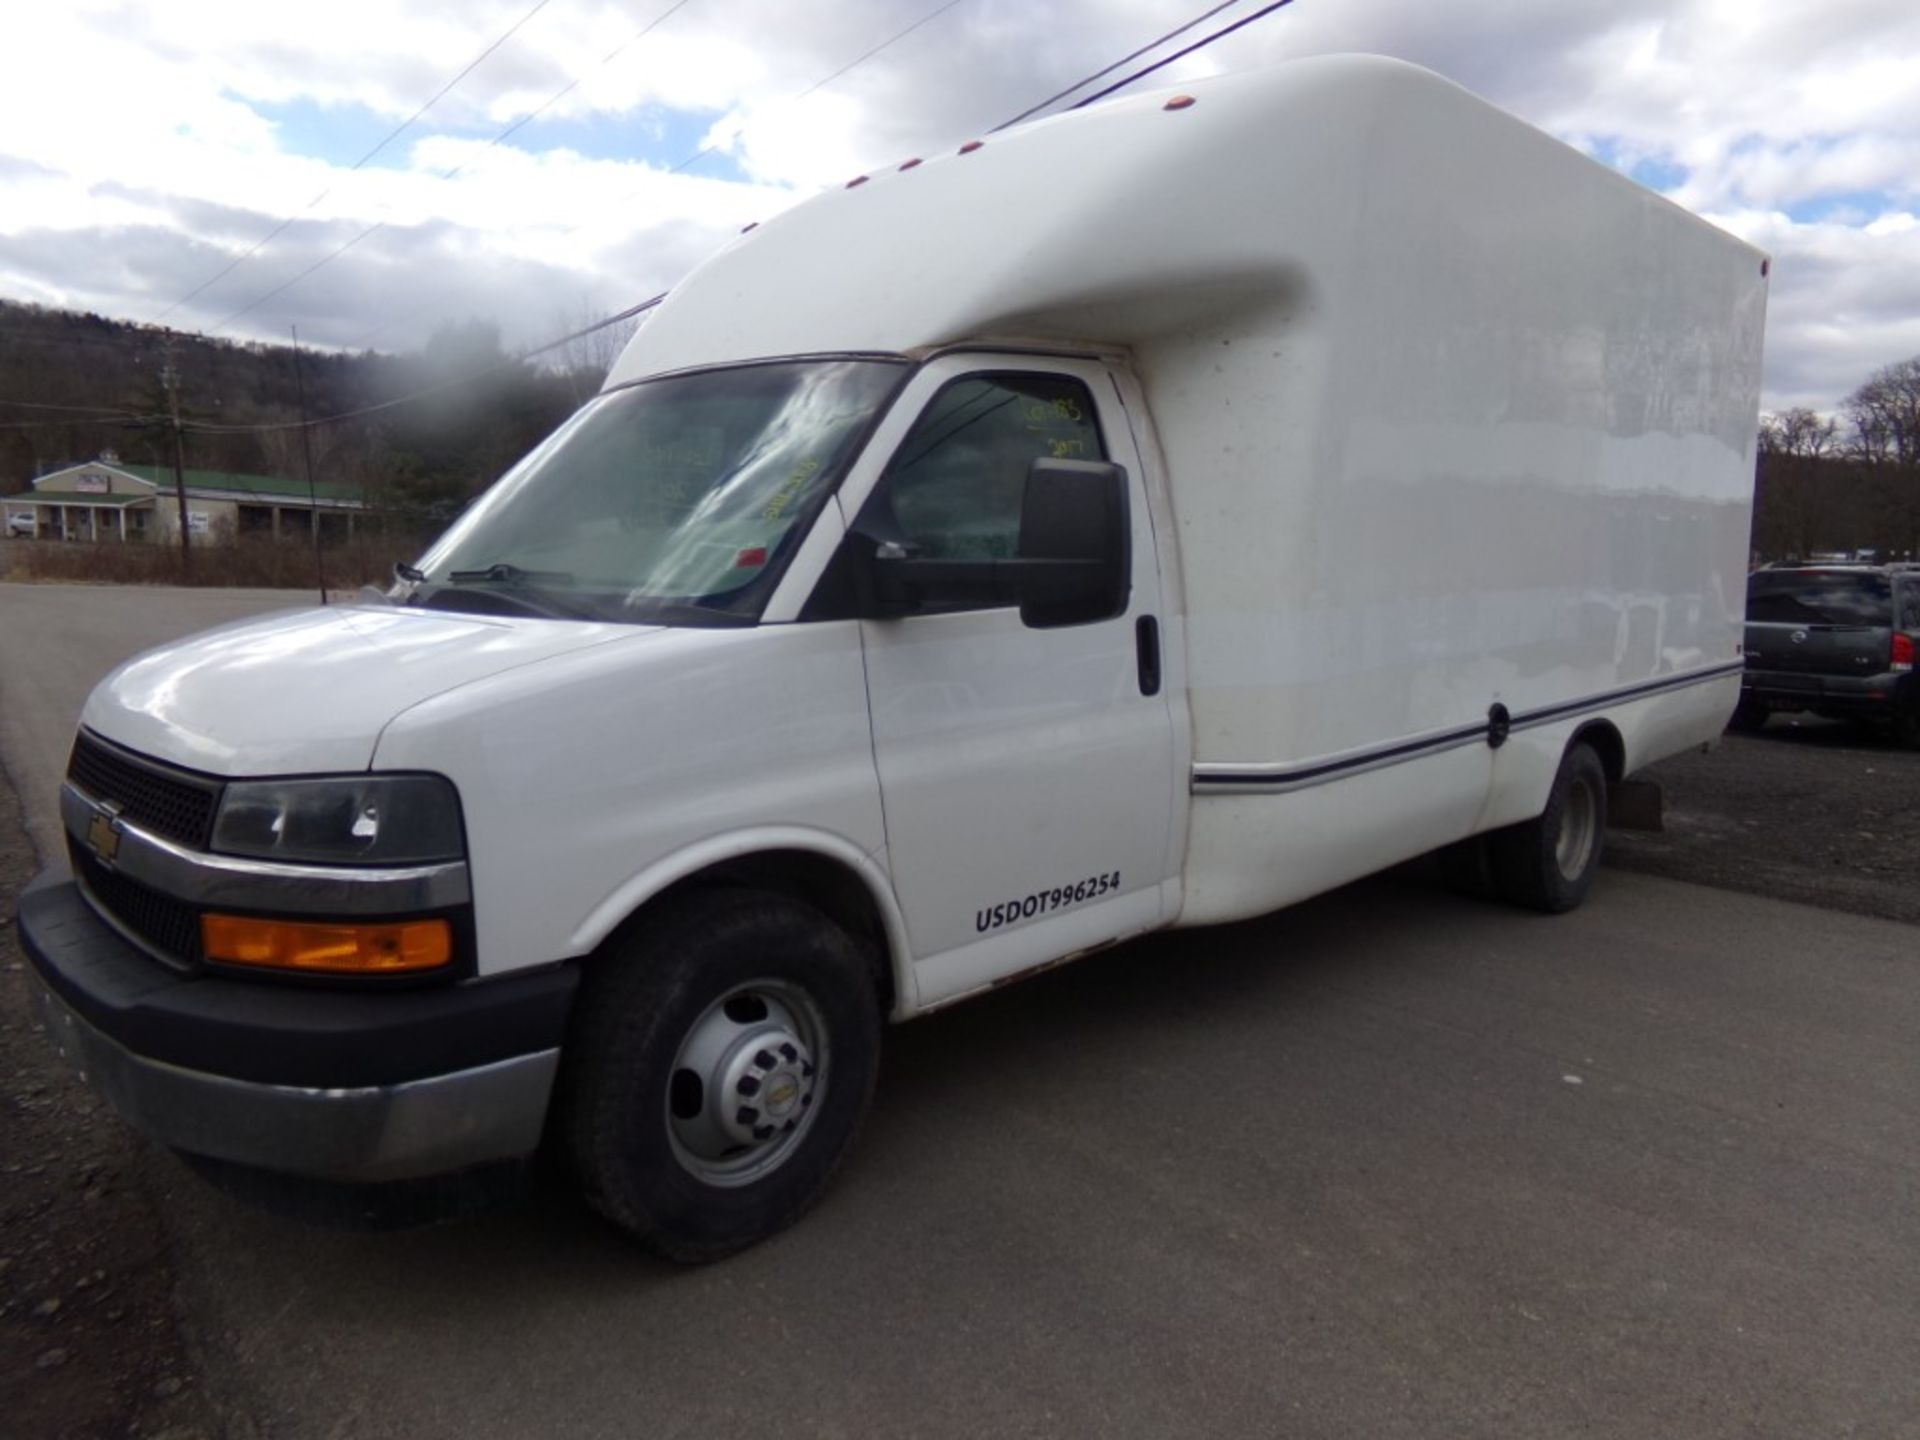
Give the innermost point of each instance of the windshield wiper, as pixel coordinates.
(509, 583)
(413, 574)
(505, 572)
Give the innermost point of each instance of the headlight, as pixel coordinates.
(354, 820)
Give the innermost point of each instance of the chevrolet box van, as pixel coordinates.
(1151, 517)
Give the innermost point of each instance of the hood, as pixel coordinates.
(309, 691)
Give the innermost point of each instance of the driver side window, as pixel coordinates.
(953, 490)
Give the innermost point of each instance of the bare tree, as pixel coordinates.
(1885, 415)
(585, 360)
(1798, 434)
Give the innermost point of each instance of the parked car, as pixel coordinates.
(20, 522)
(1836, 640)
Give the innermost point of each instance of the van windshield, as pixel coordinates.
(674, 501)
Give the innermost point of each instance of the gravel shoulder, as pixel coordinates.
(90, 1341)
(1809, 810)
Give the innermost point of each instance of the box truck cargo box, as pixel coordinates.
(1151, 517)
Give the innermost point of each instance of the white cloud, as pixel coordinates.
(139, 151)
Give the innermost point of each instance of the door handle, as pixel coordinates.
(1146, 646)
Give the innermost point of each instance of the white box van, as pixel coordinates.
(1151, 517)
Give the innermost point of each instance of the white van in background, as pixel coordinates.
(1151, 517)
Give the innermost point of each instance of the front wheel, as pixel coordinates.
(1548, 864)
(723, 1060)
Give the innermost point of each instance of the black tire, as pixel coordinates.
(693, 971)
(1548, 864)
(1749, 716)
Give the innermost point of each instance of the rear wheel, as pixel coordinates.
(722, 1063)
(1548, 864)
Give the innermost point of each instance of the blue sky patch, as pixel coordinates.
(341, 134)
(337, 134)
(656, 135)
(1850, 206)
(1651, 171)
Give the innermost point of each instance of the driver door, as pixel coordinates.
(1026, 775)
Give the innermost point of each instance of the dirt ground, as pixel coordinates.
(89, 1340)
(1809, 810)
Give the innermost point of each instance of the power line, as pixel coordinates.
(635, 310)
(443, 386)
(379, 225)
(385, 141)
(1123, 60)
(891, 40)
(43, 405)
(707, 150)
(1221, 33)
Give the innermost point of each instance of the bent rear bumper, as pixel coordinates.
(341, 1085)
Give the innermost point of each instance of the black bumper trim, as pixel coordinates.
(278, 1034)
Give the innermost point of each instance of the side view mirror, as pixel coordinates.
(1075, 558)
(1073, 566)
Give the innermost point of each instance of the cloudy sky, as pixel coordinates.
(204, 162)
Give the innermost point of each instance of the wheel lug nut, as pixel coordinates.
(763, 1132)
(745, 1115)
(749, 1085)
(764, 1059)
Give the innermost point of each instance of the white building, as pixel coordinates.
(107, 499)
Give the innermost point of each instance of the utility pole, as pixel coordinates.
(170, 380)
(306, 447)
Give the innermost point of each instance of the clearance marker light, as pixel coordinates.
(971, 146)
(856, 182)
(908, 165)
(750, 225)
(381, 949)
(750, 558)
(1178, 102)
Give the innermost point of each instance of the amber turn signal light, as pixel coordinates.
(384, 949)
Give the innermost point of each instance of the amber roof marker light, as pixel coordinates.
(1179, 102)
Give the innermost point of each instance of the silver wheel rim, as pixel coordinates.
(1579, 829)
(746, 1083)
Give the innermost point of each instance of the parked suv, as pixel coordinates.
(1834, 639)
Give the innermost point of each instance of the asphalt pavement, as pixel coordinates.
(1390, 1163)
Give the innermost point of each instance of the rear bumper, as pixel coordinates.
(1881, 694)
(340, 1085)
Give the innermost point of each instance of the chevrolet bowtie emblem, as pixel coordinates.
(103, 835)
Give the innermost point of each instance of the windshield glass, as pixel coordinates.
(677, 500)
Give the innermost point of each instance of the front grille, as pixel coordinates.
(155, 797)
(171, 926)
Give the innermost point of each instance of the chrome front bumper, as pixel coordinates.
(368, 1133)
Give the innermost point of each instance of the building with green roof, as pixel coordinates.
(108, 499)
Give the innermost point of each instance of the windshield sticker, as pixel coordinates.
(790, 487)
(1042, 902)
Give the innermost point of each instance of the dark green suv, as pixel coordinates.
(1838, 640)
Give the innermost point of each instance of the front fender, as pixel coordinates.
(635, 893)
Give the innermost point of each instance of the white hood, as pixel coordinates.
(309, 691)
